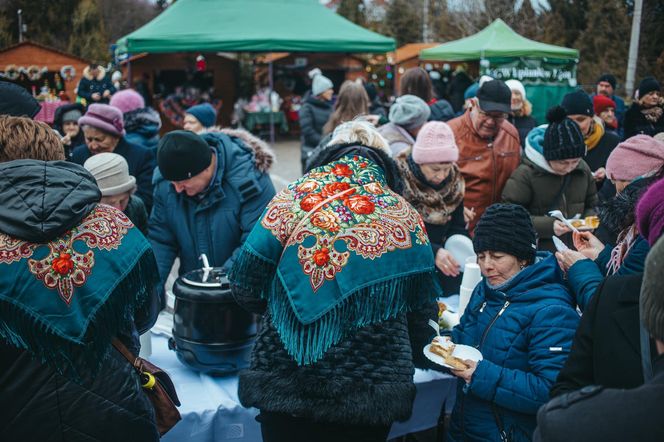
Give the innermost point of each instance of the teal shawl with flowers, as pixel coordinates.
(335, 251)
(65, 300)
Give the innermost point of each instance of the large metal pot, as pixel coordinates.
(211, 333)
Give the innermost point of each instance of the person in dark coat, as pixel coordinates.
(631, 167)
(141, 123)
(606, 86)
(103, 128)
(596, 413)
(457, 87)
(210, 190)
(62, 304)
(434, 185)
(375, 105)
(416, 82)
(200, 117)
(16, 101)
(118, 187)
(600, 142)
(95, 85)
(522, 319)
(555, 178)
(65, 121)
(521, 110)
(646, 114)
(344, 317)
(314, 114)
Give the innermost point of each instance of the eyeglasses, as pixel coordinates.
(495, 116)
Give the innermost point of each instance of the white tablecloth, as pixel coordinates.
(211, 411)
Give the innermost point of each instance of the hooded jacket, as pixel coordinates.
(485, 164)
(524, 331)
(89, 85)
(39, 202)
(535, 186)
(57, 125)
(142, 127)
(217, 221)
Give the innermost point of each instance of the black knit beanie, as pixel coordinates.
(648, 85)
(506, 228)
(578, 103)
(563, 139)
(182, 155)
(609, 79)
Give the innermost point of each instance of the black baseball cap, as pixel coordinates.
(182, 155)
(495, 96)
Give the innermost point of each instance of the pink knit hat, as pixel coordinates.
(650, 213)
(105, 118)
(635, 157)
(127, 100)
(435, 144)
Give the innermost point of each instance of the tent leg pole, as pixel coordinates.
(129, 82)
(271, 80)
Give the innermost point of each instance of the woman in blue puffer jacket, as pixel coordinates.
(522, 318)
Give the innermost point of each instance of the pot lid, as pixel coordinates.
(207, 277)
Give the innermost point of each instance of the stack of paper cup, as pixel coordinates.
(146, 345)
(471, 277)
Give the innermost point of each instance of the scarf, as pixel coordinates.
(596, 134)
(652, 114)
(626, 240)
(64, 300)
(335, 251)
(434, 203)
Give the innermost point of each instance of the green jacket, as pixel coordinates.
(535, 189)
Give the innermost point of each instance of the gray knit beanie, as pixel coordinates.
(652, 295)
(409, 112)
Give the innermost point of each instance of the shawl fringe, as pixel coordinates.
(30, 332)
(307, 343)
(252, 272)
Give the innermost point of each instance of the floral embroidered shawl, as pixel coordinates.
(335, 251)
(69, 297)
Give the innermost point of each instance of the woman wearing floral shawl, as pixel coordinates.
(342, 270)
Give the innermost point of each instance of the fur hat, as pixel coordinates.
(127, 100)
(435, 144)
(409, 112)
(111, 172)
(104, 117)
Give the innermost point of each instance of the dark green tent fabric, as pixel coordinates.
(496, 40)
(252, 26)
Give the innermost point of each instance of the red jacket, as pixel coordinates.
(485, 164)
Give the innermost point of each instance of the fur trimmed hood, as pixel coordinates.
(100, 75)
(264, 156)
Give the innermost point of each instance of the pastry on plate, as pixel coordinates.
(445, 352)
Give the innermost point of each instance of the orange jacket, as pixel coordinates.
(485, 164)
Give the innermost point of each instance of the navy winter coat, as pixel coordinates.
(524, 331)
(141, 164)
(216, 222)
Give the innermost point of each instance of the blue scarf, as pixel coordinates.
(336, 251)
(65, 300)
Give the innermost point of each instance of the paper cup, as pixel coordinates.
(471, 276)
(464, 299)
(146, 345)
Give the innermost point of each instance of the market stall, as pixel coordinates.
(547, 71)
(252, 26)
(50, 74)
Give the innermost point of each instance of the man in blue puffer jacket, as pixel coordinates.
(522, 319)
(209, 192)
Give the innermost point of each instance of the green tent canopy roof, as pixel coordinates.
(496, 40)
(252, 26)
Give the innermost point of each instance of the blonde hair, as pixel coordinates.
(359, 131)
(24, 139)
(352, 102)
(526, 109)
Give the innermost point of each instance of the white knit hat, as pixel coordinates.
(516, 85)
(111, 172)
(320, 83)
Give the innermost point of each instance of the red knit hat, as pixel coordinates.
(602, 103)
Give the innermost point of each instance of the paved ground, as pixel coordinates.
(287, 167)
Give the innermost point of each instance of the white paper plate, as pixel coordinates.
(461, 248)
(461, 351)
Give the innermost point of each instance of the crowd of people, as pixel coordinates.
(346, 263)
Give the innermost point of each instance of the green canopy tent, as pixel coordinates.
(547, 71)
(252, 26)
